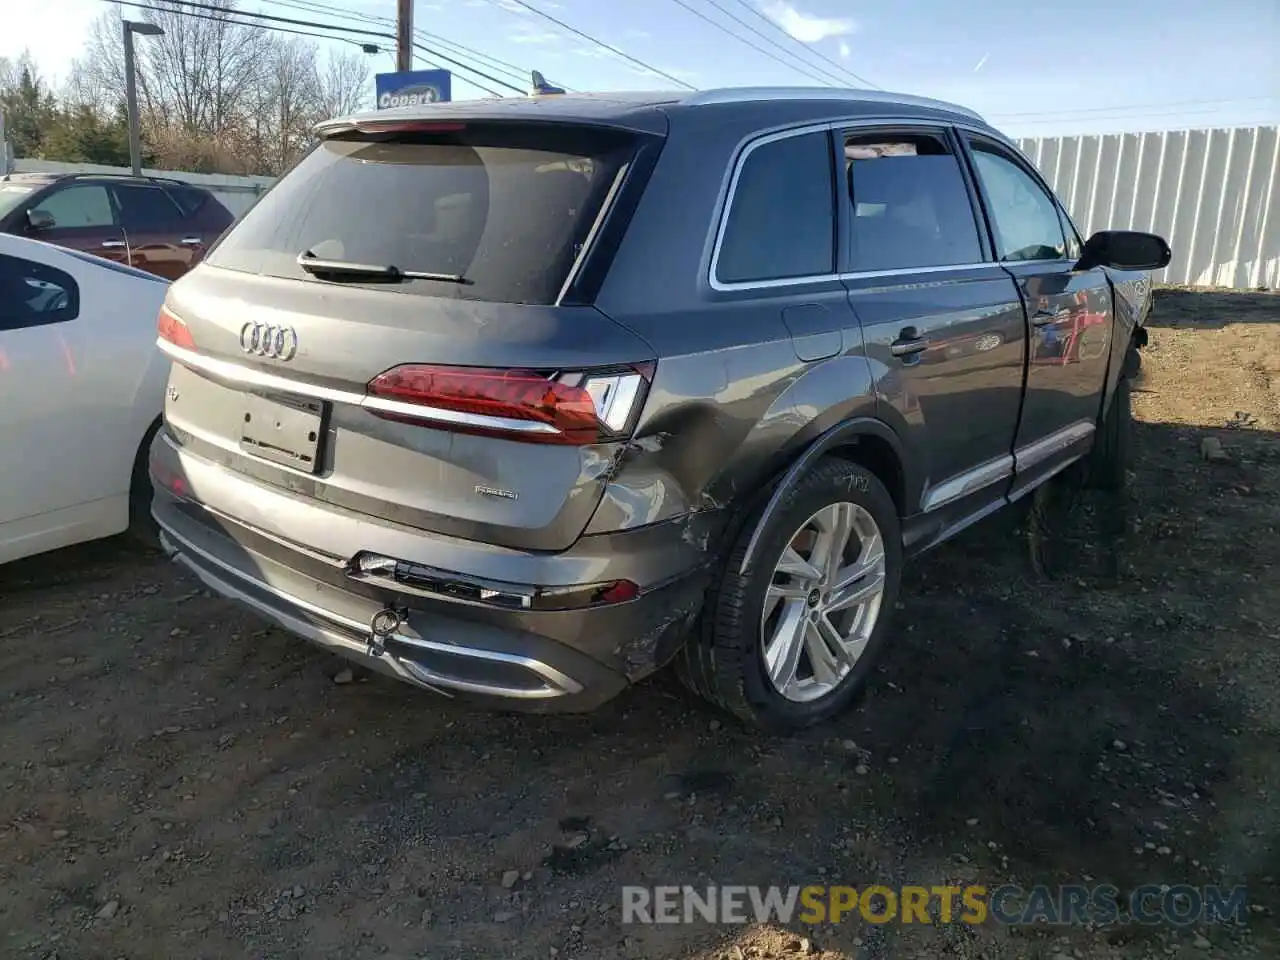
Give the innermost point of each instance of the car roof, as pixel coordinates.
(40, 178)
(647, 111)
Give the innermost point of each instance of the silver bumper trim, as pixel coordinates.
(555, 683)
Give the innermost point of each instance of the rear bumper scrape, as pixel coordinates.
(350, 638)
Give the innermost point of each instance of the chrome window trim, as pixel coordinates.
(753, 143)
(588, 244)
(227, 372)
(744, 153)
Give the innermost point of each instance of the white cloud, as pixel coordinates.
(982, 62)
(510, 7)
(536, 37)
(845, 52)
(804, 26)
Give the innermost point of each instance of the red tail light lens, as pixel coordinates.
(172, 329)
(576, 408)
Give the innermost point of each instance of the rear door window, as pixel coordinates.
(911, 208)
(507, 210)
(79, 206)
(146, 209)
(189, 200)
(781, 222)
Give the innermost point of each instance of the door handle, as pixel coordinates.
(191, 241)
(906, 347)
(113, 243)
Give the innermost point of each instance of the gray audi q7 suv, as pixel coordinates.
(519, 400)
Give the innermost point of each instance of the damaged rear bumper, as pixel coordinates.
(445, 638)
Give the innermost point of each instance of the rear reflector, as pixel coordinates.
(576, 408)
(173, 330)
(416, 578)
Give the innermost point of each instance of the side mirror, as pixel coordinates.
(39, 220)
(1125, 250)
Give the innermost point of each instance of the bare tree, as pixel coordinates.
(344, 85)
(282, 107)
(216, 94)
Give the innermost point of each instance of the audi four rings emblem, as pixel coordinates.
(269, 340)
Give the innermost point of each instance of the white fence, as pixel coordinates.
(1210, 193)
(236, 193)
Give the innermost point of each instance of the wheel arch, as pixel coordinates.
(864, 440)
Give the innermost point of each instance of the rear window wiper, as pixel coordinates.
(343, 270)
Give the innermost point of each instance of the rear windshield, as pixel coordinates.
(506, 209)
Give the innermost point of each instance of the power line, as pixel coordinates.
(241, 23)
(480, 73)
(485, 59)
(773, 24)
(180, 7)
(599, 43)
(825, 74)
(181, 10)
(804, 70)
(1131, 106)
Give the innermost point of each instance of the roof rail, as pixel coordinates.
(120, 176)
(747, 94)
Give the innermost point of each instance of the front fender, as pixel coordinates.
(1131, 300)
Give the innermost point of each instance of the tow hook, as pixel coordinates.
(384, 624)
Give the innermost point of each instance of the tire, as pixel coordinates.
(1113, 447)
(724, 662)
(142, 527)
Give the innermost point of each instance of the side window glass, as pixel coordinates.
(781, 221)
(33, 294)
(191, 201)
(146, 209)
(1025, 218)
(910, 205)
(85, 205)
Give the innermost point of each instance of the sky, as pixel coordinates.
(1032, 69)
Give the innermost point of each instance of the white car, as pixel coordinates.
(81, 394)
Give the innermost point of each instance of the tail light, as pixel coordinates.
(172, 330)
(569, 408)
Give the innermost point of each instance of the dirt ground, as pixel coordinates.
(177, 780)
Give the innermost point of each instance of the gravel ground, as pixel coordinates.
(177, 780)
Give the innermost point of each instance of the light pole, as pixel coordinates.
(131, 86)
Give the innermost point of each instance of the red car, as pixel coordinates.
(158, 225)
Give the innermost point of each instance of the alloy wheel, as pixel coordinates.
(823, 602)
